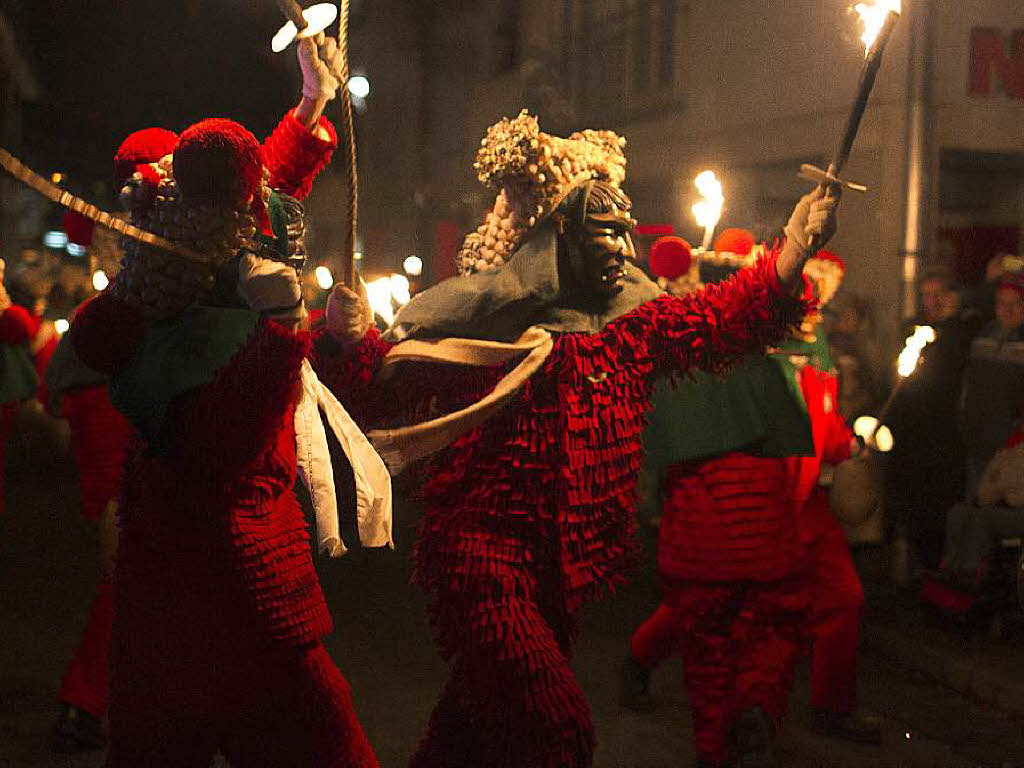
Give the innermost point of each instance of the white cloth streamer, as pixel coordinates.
(372, 481)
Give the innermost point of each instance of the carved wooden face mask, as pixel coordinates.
(605, 245)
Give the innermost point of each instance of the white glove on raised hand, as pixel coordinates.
(322, 65)
(348, 315)
(267, 285)
(813, 217)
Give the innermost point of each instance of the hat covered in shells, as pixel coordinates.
(532, 172)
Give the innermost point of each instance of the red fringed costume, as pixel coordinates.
(217, 634)
(19, 377)
(730, 562)
(834, 588)
(532, 515)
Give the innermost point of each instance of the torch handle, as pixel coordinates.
(867, 81)
(868, 72)
(293, 12)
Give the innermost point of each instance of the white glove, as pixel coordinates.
(267, 285)
(348, 315)
(813, 217)
(322, 65)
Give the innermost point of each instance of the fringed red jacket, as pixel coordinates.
(211, 516)
(540, 500)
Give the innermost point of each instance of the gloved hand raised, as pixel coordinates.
(323, 67)
(813, 217)
(268, 286)
(349, 315)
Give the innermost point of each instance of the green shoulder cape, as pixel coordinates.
(177, 355)
(18, 379)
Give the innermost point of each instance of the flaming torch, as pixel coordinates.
(709, 209)
(879, 18)
(872, 430)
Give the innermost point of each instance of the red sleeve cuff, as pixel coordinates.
(295, 155)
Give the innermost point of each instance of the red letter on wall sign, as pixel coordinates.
(988, 52)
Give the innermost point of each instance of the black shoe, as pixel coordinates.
(77, 731)
(753, 738)
(861, 727)
(634, 681)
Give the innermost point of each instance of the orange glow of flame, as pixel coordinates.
(873, 16)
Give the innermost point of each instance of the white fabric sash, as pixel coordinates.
(372, 481)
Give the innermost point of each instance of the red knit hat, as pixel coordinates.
(141, 148)
(670, 257)
(218, 161)
(734, 240)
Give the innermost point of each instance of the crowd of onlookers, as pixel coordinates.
(952, 485)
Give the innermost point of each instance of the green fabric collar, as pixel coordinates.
(177, 355)
(525, 292)
(18, 379)
(757, 408)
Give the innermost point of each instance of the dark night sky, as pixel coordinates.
(107, 68)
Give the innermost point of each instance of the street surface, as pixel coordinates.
(382, 644)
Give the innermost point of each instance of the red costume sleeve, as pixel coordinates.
(16, 326)
(294, 155)
(225, 425)
(713, 328)
(349, 372)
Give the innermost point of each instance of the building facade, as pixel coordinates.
(749, 89)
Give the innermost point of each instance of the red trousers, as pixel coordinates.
(836, 604)
(184, 688)
(86, 682)
(739, 642)
(511, 700)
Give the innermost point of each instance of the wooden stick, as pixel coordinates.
(26, 175)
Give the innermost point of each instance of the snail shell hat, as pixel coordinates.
(532, 172)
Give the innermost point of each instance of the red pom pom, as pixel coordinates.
(735, 240)
(670, 257)
(78, 228)
(217, 161)
(145, 146)
(107, 333)
(830, 256)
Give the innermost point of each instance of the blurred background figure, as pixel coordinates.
(924, 473)
(993, 389)
(856, 354)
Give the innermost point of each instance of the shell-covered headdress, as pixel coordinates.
(532, 172)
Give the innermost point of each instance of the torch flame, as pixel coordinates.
(387, 293)
(907, 361)
(873, 16)
(709, 209)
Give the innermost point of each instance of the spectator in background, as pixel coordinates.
(924, 473)
(973, 529)
(993, 391)
(856, 354)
